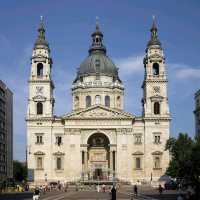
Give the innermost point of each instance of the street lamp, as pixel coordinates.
(45, 177)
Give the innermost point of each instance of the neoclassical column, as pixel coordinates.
(111, 160)
(114, 160)
(86, 160)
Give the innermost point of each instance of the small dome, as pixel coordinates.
(98, 63)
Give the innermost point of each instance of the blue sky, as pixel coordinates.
(125, 25)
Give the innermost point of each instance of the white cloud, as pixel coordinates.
(130, 65)
(188, 73)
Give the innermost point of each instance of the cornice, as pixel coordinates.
(52, 119)
(157, 118)
(42, 81)
(155, 80)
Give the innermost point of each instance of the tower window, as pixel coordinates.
(39, 139)
(58, 140)
(138, 139)
(107, 101)
(97, 40)
(88, 101)
(155, 69)
(157, 139)
(97, 99)
(156, 108)
(39, 69)
(39, 108)
(118, 102)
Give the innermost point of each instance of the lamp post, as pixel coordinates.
(45, 177)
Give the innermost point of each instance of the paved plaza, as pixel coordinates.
(125, 193)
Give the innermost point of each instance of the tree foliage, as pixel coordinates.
(185, 159)
(19, 171)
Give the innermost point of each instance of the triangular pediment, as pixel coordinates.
(99, 112)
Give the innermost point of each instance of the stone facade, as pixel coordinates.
(97, 139)
(6, 132)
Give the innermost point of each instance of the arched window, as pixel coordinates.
(118, 102)
(88, 101)
(97, 99)
(39, 108)
(156, 108)
(155, 69)
(107, 101)
(40, 69)
(58, 163)
(76, 102)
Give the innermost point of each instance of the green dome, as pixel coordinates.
(97, 63)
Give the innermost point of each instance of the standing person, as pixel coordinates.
(113, 193)
(104, 188)
(66, 187)
(160, 189)
(180, 197)
(135, 190)
(189, 196)
(36, 194)
(98, 188)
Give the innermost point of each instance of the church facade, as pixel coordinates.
(97, 140)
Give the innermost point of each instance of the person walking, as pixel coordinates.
(36, 194)
(135, 190)
(160, 189)
(113, 193)
(180, 197)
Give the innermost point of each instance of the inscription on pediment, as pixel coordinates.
(98, 113)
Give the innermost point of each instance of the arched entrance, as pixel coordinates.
(98, 156)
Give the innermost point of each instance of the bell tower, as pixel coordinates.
(41, 101)
(155, 99)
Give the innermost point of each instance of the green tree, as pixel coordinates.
(19, 171)
(185, 159)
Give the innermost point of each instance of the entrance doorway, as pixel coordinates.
(98, 156)
(98, 174)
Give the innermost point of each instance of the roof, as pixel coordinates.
(97, 63)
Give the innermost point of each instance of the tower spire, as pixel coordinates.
(97, 23)
(97, 40)
(154, 36)
(41, 40)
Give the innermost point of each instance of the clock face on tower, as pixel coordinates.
(39, 90)
(156, 89)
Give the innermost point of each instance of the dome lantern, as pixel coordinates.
(97, 40)
(154, 35)
(41, 42)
